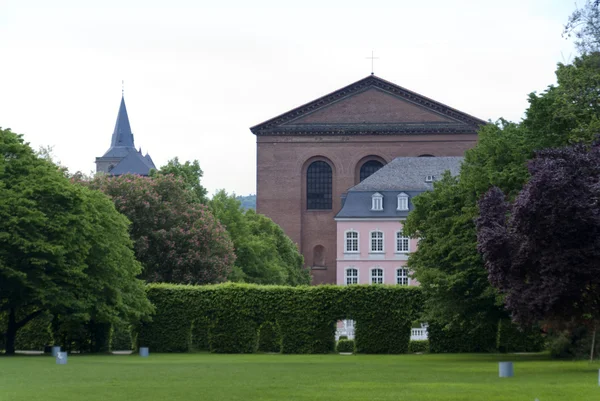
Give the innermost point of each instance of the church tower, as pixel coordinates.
(122, 157)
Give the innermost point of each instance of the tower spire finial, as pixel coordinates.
(123, 88)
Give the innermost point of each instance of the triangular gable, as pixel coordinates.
(134, 163)
(370, 106)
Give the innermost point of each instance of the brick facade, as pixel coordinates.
(344, 129)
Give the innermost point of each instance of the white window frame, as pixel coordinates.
(346, 275)
(346, 250)
(400, 236)
(429, 178)
(382, 277)
(402, 201)
(371, 250)
(377, 202)
(402, 277)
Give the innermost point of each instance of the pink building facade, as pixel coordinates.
(373, 251)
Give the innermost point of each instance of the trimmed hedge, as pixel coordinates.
(120, 339)
(345, 346)
(306, 316)
(418, 346)
(269, 337)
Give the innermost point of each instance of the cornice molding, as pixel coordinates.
(283, 124)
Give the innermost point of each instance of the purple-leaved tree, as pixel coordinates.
(542, 251)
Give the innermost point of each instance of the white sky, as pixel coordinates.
(199, 73)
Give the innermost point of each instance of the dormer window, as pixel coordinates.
(402, 201)
(377, 201)
(429, 178)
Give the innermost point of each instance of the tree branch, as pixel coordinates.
(28, 318)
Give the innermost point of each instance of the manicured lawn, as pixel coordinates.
(295, 377)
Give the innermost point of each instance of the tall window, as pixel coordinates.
(376, 276)
(402, 242)
(369, 168)
(376, 241)
(402, 276)
(351, 276)
(402, 201)
(318, 186)
(351, 241)
(377, 201)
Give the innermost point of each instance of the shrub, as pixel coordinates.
(418, 346)
(121, 338)
(345, 346)
(343, 338)
(445, 338)
(512, 339)
(35, 334)
(305, 316)
(269, 337)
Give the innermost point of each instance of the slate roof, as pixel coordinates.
(133, 163)
(402, 175)
(444, 119)
(122, 147)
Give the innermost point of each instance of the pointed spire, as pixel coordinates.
(122, 135)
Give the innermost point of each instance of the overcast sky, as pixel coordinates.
(199, 73)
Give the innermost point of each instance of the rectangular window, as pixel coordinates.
(351, 276)
(377, 203)
(376, 276)
(376, 241)
(402, 202)
(351, 241)
(402, 243)
(402, 276)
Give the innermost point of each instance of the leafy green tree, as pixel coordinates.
(189, 172)
(584, 23)
(264, 254)
(63, 248)
(177, 239)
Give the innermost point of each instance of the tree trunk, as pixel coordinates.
(593, 344)
(11, 332)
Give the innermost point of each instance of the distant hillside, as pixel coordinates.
(248, 202)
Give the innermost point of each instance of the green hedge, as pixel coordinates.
(345, 346)
(269, 337)
(418, 346)
(232, 314)
(121, 338)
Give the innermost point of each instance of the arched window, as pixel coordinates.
(402, 276)
(319, 256)
(402, 201)
(369, 168)
(351, 244)
(377, 276)
(318, 186)
(351, 276)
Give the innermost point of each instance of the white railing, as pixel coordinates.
(346, 328)
(418, 334)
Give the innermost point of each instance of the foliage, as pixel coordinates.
(120, 339)
(306, 316)
(584, 23)
(176, 239)
(512, 338)
(190, 173)
(542, 250)
(269, 337)
(464, 337)
(264, 254)
(64, 249)
(418, 346)
(447, 263)
(248, 201)
(345, 346)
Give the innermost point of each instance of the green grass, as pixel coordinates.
(295, 377)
